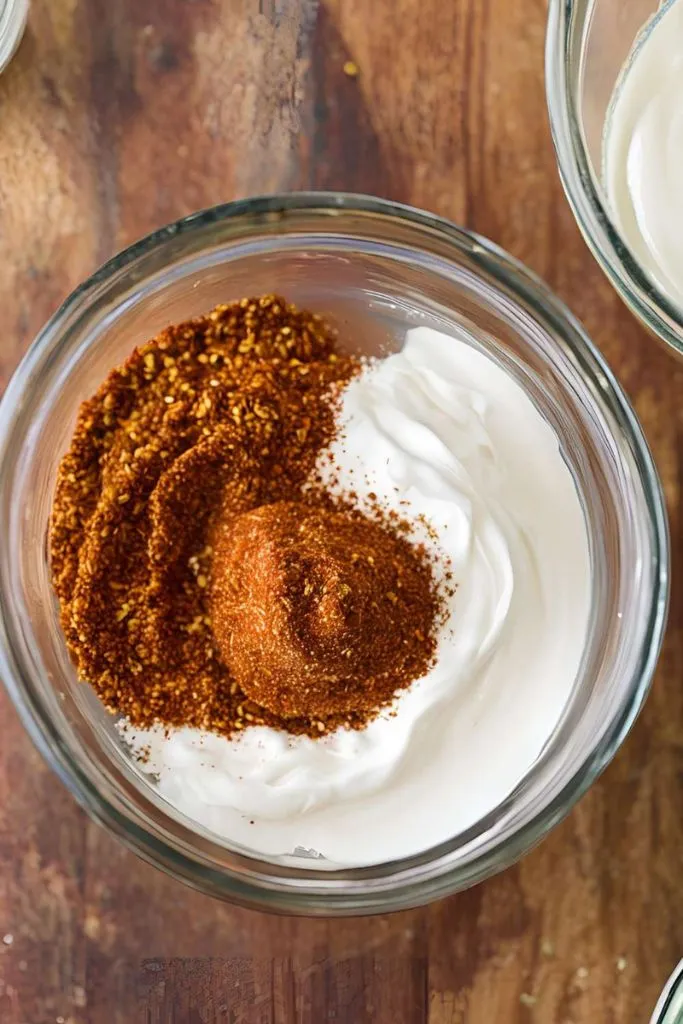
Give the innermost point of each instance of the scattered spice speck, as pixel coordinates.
(547, 948)
(8, 939)
(526, 999)
(351, 69)
(622, 964)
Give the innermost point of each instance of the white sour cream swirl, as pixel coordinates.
(437, 431)
(643, 151)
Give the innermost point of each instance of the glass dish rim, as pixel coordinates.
(524, 285)
(563, 64)
(13, 18)
(669, 1008)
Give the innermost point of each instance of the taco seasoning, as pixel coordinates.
(205, 576)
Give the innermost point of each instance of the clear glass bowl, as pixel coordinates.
(669, 1009)
(587, 43)
(375, 268)
(13, 16)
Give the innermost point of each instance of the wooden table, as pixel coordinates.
(116, 117)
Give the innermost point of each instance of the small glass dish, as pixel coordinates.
(375, 268)
(587, 44)
(13, 17)
(669, 1009)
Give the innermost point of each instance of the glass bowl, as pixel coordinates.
(375, 268)
(669, 1009)
(587, 44)
(13, 17)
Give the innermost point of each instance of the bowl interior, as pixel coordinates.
(588, 43)
(373, 288)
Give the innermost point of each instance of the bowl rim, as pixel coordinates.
(669, 1008)
(526, 286)
(13, 18)
(563, 69)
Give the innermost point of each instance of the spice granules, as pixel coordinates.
(302, 599)
(209, 436)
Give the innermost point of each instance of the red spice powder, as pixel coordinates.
(308, 614)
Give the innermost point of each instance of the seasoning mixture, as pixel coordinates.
(442, 436)
(319, 611)
(205, 576)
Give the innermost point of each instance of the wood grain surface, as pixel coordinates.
(116, 117)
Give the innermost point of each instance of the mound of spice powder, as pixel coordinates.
(319, 610)
(204, 578)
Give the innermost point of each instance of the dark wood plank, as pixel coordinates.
(118, 117)
(358, 990)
